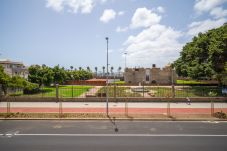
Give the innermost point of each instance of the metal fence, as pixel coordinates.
(115, 91)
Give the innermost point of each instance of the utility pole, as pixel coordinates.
(125, 59)
(107, 64)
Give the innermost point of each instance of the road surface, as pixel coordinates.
(112, 135)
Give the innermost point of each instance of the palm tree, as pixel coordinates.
(119, 70)
(88, 68)
(103, 70)
(111, 70)
(80, 68)
(96, 70)
(71, 67)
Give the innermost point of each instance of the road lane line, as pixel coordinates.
(123, 135)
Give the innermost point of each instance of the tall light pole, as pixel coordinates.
(107, 64)
(125, 58)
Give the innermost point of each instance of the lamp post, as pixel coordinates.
(125, 58)
(107, 64)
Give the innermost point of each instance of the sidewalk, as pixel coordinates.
(115, 108)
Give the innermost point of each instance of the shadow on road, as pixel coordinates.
(113, 121)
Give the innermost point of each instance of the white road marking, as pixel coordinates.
(122, 135)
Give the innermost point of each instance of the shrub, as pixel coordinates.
(220, 115)
(31, 88)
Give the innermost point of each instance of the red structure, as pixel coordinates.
(97, 82)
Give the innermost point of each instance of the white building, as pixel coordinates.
(14, 68)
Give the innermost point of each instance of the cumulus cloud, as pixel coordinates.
(157, 44)
(121, 29)
(57, 5)
(160, 9)
(108, 14)
(207, 5)
(218, 12)
(120, 13)
(203, 26)
(144, 17)
(74, 6)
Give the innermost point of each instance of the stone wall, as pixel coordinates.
(156, 75)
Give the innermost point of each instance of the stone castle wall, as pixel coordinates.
(149, 75)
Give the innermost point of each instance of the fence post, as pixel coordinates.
(173, 91)
(60, 108)
(72, 91)
(212, 108)
(57, 92)
(115, 96)
(168, 109)
(126, 107)
(8, 105)
(143, 88)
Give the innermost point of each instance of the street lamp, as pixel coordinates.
(125, 59)
(107, 64)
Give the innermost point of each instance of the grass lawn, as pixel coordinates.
(194, 91)
(120, 92)
(190, 82)
(64, 91)
(120, 82)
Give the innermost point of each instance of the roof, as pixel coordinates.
(98, 80)
(7, 61)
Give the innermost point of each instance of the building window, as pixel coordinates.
(147, 78)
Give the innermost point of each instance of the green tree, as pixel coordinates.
(103, 70)
(205, 56)
(40, 75)
(59, 75)
(96, 71)
(4, 80)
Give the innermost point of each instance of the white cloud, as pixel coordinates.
(103, 1)
(121, 29)
(207, 5)
(108, 14)
(57, 5)
(120, 13)
(203, 26)
(74, 6)
(144, 17)
(160, 9)
(157, 44)
(218, 12)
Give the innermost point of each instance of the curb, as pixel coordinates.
(121, 119)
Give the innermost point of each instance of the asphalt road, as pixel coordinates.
(112, 135)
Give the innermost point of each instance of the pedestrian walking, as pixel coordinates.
(188, 101)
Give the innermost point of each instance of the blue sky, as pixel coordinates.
(72, 32)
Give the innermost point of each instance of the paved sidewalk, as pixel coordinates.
(100, 107)
(92, 91)
(116, 110)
